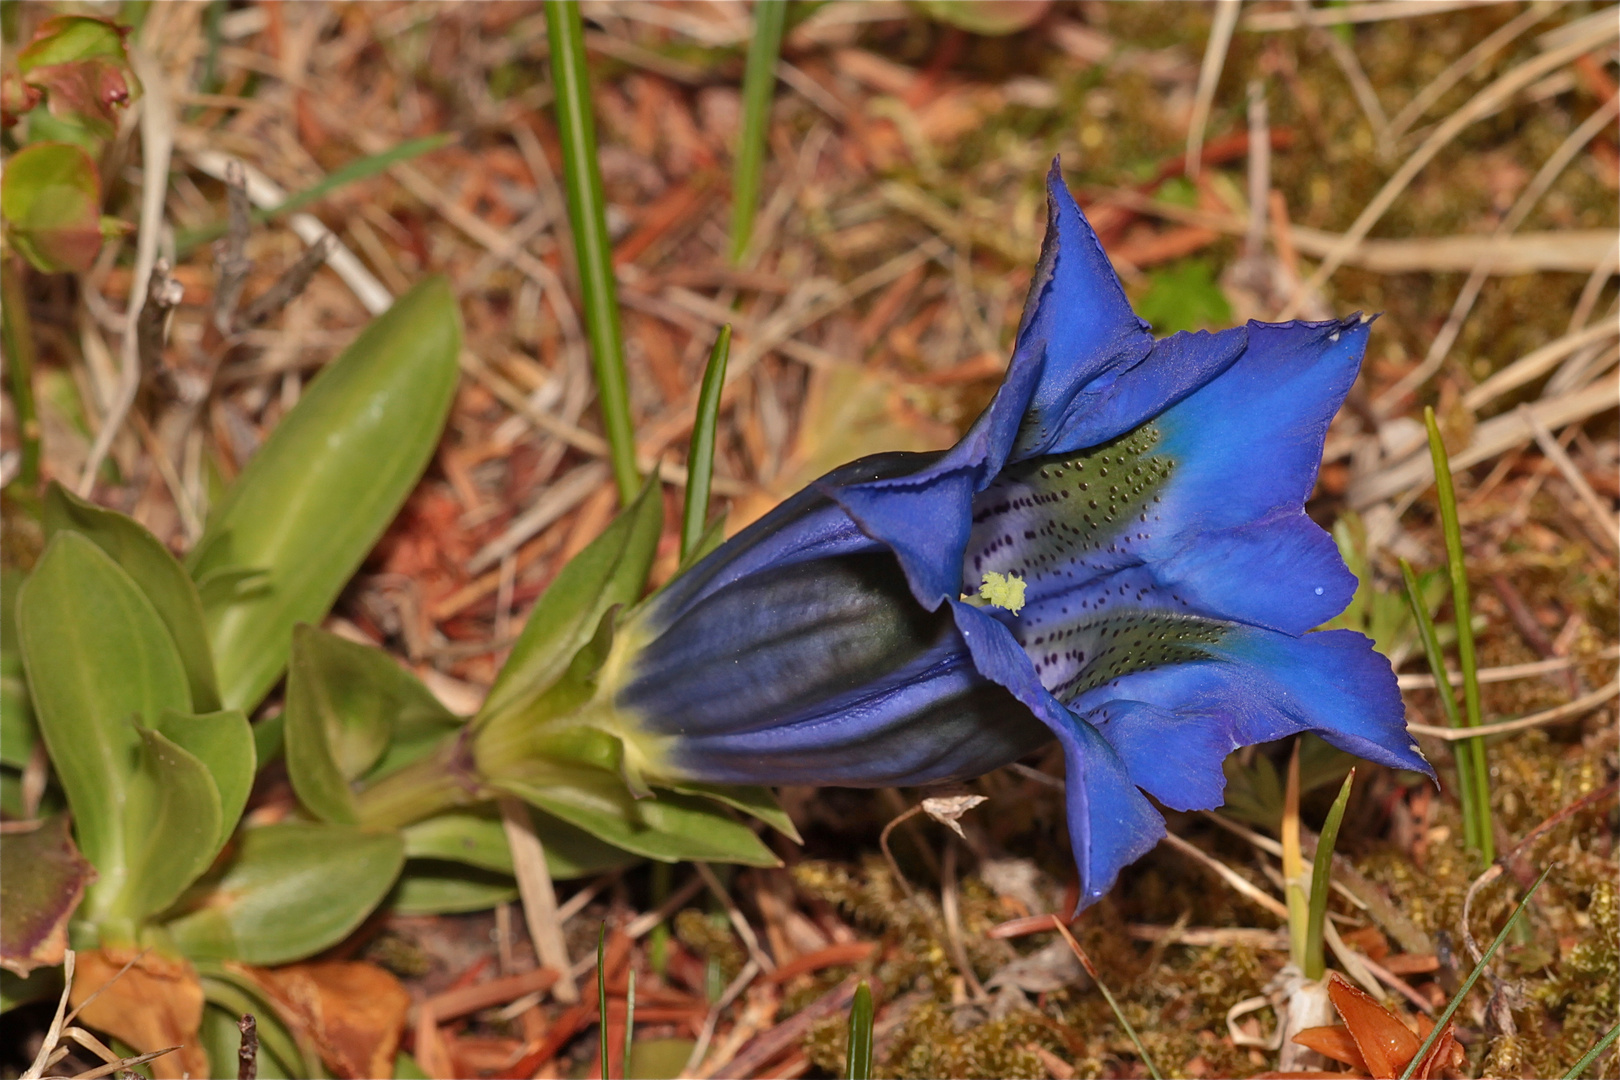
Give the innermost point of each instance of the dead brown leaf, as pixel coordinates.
(157, 1003)
(352, 1012)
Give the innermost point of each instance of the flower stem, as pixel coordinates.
(442, 780)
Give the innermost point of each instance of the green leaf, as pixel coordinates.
(756, 802)
(345, 704)
(50, 197)
(42, 880)
(700, 453)
(759, 93)
(172, 817)
(651, 1059)
(269, 738)
(326, 483)
(475, 838)
(64, 38)
(611, 571)
(45, 984)
(154, 571)
(223, 742)
(1184, 296)
(669, 827)
(288, 890)
(18, 729)
(440, 888)
(96, 653)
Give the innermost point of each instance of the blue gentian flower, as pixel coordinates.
(1116, 554)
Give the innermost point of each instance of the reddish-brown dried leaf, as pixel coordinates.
(156, 1004)
(353, 1012)
(1386, 1044)
(42, 880)
(1334, 1041)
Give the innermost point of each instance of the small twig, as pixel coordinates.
(1209, 77)
(157, 141)
(163, 295)
(1557, 455)
(951, 912)
(247, 1054)
(1242, 884)
(291, 283)
(230, 251)
(883, 845)
(734, 913)
(1345, 57)
(538, 894)
(1508, 672)
(1582, 704)
(732, 992)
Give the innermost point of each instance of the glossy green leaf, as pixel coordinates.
(989, 17)
(858, 1057)
(700, 452)
(612, 570)
(289, 890)
(172, 817)
(756, 802)
(96, 653)
(42, 880)
(759, 93)
(50, 197)
(326, 483)
(345, 704)
(669, 827)
(269, 738)
(223, 742)
(428, 887)
(18, 730)
(157, 573)
(476, 838)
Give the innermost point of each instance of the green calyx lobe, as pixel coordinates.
(1067, 515)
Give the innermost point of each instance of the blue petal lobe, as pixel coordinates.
(1248, 443)
(1259, 686)
(1077, 323)
(1282, 573)
(1115, 403)
(1111, 823)
(1175, 756)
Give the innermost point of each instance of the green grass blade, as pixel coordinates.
(629, 1021)
(1463, 751)
(360, 169)
(700, 456)
(593, 250)
(1321, 877)
(858, 1062)
(1463, 613)
(1592, 1054)
(601, 995)
(759, 87)
(1473, 977)
(17, 335)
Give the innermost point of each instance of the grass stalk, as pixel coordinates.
(759, 87)
(1463, 613)
(1119, 1014)
(1473, 977)
(1293, 867)
(593, 250)
(1315, 965)
(1463, 750)
(1592, 1054)
(629, 1021)
(700, 454)
(858, 1060)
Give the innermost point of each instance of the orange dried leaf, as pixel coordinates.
(353, 1012)
(1386, 1044)
(156, 1004)
(1334, 1041)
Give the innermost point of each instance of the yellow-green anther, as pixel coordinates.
(1003, 591)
